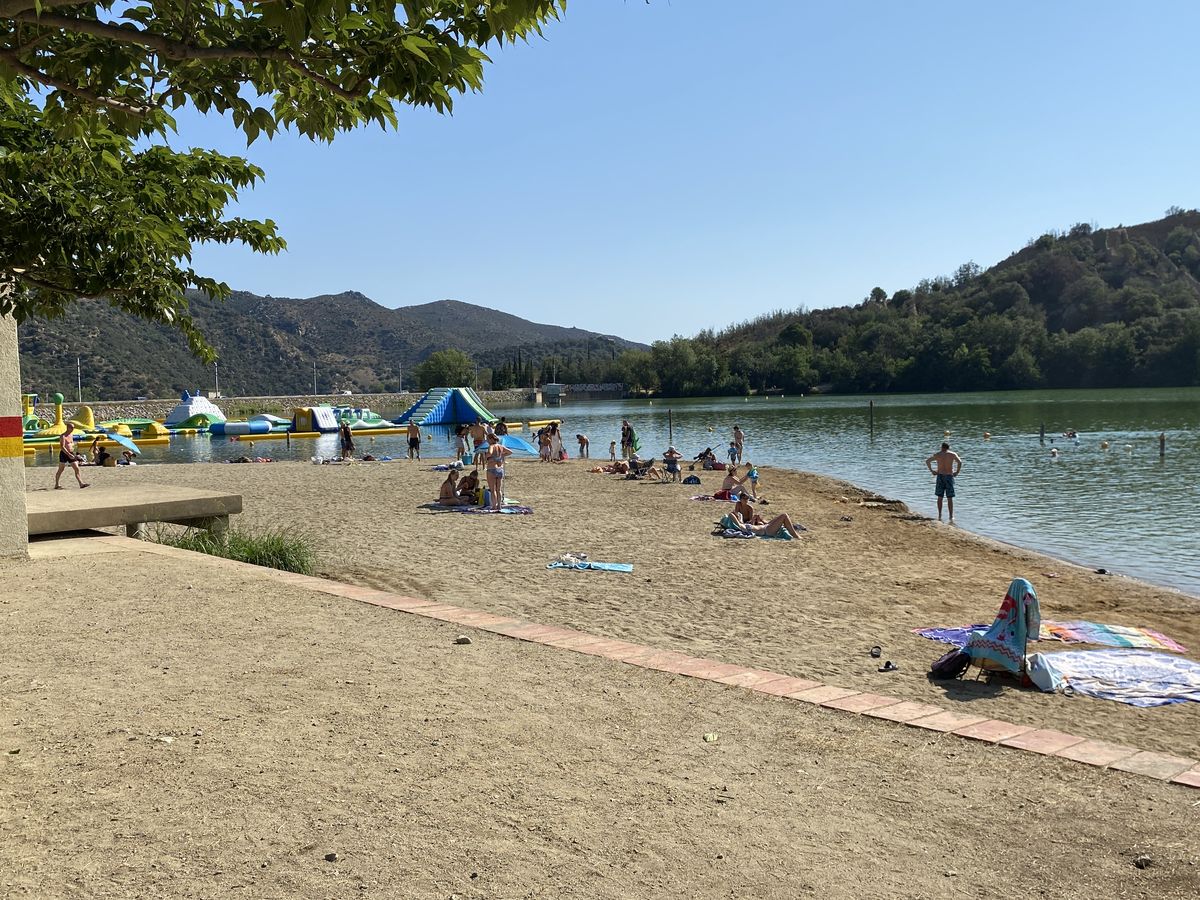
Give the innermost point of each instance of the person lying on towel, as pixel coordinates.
(781, 523)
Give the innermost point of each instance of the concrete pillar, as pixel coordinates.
(14, 528)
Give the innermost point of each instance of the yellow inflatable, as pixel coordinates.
(59, 425)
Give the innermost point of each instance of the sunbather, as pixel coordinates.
(448, 495)
(746, 512)
(468, 485)
(731, 486)
(781, 523)
(671, 459)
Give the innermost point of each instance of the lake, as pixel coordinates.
(1123, 508)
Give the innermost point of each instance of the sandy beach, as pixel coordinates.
(179, 727)
(866, 573)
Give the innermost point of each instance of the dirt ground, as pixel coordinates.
(178, 730)
(866, 573)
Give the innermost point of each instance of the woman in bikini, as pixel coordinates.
(731, 486)
(495, 470)
(448, 494)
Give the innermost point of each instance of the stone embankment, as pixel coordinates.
(241, 407)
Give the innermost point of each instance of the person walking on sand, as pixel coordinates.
(739, 442)
(414, 440)
(67, 457)
(945, 464)
(612, 451)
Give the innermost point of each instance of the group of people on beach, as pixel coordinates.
(488, 452)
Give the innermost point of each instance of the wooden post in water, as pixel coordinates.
(871, 415)
(1162, 445)
(670, 430)
(1043, 433)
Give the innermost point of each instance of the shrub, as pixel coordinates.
(279, 548)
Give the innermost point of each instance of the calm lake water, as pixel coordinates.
(1123, 508)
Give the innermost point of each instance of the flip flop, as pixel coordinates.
(876, 652)
(888, 666)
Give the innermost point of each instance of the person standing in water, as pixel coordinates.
(739, 442)
(945, 465)
(414, 440)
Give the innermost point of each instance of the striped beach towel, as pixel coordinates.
(1081, 632)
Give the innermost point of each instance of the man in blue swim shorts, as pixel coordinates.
(944, 464)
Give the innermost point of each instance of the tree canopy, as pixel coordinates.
(95, 204)
(446, 368)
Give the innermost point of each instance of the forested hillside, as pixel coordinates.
(1084, 308)
(269, 345)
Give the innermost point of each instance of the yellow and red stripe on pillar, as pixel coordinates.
(11, 441)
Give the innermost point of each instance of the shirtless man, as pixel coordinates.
(945, 464)
(739, 441)
(584, 445)
(478, 433)
(414, 440)
(67, 457)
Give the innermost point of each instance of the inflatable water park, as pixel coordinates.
(197, 415)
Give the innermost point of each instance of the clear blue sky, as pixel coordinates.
(656, 169)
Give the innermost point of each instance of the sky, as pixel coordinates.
(651, 169)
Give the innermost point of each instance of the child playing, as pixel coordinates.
(752, 477)
(612, 451)
(732, 453)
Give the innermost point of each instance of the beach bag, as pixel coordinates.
(950, 665)
(691, 479)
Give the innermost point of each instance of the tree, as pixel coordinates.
(85, 94)
(446, 368)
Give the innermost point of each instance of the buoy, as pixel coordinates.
(1129, 448)
(1054, 453)
(1104, 445)
(945, 434)
(987, 435)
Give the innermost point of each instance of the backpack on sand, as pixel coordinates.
(951, 665)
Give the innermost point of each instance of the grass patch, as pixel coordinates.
(276, 548)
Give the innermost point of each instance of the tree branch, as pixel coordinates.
(179, 50)
(13, 61)
(10, 8)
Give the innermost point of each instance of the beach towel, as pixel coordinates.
(508, 509)
(711, 497)
(1081, 632)
(586, 564)
(1084, 632)
(1004, 643)
(1137, 677)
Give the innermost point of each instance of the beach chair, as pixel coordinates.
(1002, 648)
(639, 466)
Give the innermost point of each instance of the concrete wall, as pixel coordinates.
(14, 535)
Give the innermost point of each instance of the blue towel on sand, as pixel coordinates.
(599, 566)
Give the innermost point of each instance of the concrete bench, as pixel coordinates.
(75, 509)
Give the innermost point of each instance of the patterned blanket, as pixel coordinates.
(1081, 632)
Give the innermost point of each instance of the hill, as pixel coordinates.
(268, 345)
(1082, 308)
